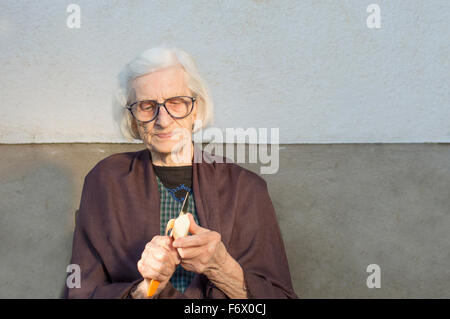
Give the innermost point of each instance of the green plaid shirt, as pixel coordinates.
(170, 208)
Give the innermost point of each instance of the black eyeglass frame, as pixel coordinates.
(158, 105)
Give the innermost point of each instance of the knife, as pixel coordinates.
(155, 283)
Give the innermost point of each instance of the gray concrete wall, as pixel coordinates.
(340, 207)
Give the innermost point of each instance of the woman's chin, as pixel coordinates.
(162, 148)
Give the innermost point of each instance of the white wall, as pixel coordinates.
(311, 68)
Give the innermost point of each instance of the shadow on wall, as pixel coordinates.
(35, 227)
(339, 207)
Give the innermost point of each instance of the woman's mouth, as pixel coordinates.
(165, 135)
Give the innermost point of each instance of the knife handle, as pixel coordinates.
(152, 287)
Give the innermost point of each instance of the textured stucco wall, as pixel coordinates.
(312, 68)
(339, 207)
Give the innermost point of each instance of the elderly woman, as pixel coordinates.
(234, 250)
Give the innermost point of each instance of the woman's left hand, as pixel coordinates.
(203, 251)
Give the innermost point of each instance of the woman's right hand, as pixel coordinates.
(158, 262)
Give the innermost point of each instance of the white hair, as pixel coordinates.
(150, 61)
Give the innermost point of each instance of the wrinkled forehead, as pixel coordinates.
(161, 84)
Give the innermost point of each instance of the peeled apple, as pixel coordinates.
(179, 226)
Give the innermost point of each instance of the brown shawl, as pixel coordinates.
(119, 213)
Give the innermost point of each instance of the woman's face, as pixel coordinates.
(161, 85)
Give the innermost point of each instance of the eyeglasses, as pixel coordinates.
(178, 107)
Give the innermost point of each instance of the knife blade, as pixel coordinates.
(185, 205)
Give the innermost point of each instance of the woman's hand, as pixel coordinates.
(158, 261)
(203, 252)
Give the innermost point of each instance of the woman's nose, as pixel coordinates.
(163, 118)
